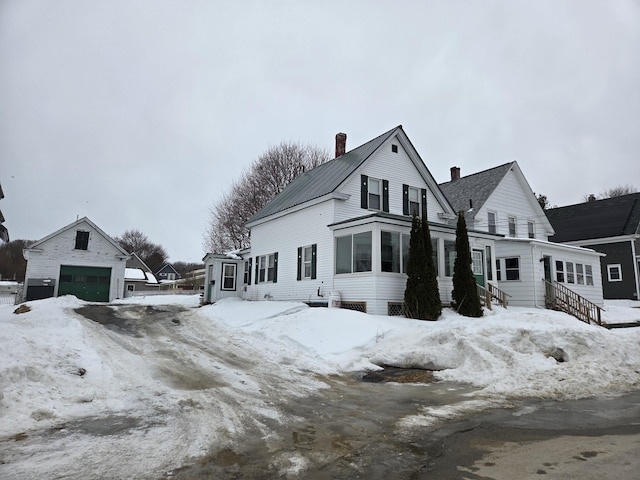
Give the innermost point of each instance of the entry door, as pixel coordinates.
(477, 265)
(546, 262)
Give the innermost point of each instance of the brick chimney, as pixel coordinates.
(455, 173)
(341, 144)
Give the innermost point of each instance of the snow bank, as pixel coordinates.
(222, 370)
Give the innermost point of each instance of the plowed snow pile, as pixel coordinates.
(105, 399)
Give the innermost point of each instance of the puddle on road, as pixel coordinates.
(346, 431)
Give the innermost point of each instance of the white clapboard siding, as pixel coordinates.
(529, 290)
(512, 198)
(284, 235)
(45, 261)
(398, 169)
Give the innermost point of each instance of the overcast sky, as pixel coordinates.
(139, 114)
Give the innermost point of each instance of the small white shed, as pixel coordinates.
(224, 276)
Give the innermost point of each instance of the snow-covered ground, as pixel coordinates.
(178, 388)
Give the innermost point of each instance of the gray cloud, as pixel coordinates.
(140, 114)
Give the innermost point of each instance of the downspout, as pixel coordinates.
(535, 274)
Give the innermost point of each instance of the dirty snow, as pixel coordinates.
(178, 391)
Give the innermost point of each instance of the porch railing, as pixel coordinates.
(490, 294)
(559, 297)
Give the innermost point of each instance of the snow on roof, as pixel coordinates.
(151, 278)
(134, 274)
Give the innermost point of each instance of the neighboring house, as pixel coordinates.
(79, 259)
(610, 226)
(342, 229)
(167, 273)
(499, 200)
(138, 276)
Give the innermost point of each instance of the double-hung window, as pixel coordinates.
(414, 201)
(512, 268)
(531, 229)
(614, 272)
(491, 218)
(229, 276)
(513, 227)
(588, 274)
(560, 271)
(307, 262)
(375, 190)
(570, 275)
(267, 268)
(579, 274)
(374, 193)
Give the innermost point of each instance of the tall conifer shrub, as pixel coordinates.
(465, 292)
(421, 297)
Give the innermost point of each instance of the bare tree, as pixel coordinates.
(134, 241)
(618, 191)
(266, 177)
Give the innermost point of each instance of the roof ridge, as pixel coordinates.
(480, 172)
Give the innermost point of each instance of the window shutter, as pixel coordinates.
(364, 191)
(299, 263)
(257, 270)
(314, 251)
(250, 265)
(424, 202)
(385, 195)
(275, 267)
(405, 199)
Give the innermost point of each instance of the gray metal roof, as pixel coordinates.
(323, 179)
(476, 187)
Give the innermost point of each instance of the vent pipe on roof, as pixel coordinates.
(455, 173)
(341, 144)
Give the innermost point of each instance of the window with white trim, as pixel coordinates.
(374, 194)
(266, 268)
(579, 274)
(491, 219)
(449, 257)
(614, 272)
(508, 268)
(531, 229)
(229, 276)
(307, 262)
(588, 274)
(570, 276)
(512, 268)
(414, 201)
(353, 253)
(560, 271)
(513, 227)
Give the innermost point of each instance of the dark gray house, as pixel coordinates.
(610, 226)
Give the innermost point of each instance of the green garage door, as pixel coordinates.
(87, 283)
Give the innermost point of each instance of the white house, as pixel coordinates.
(79, 259)
(342, 229)
(499, 200)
